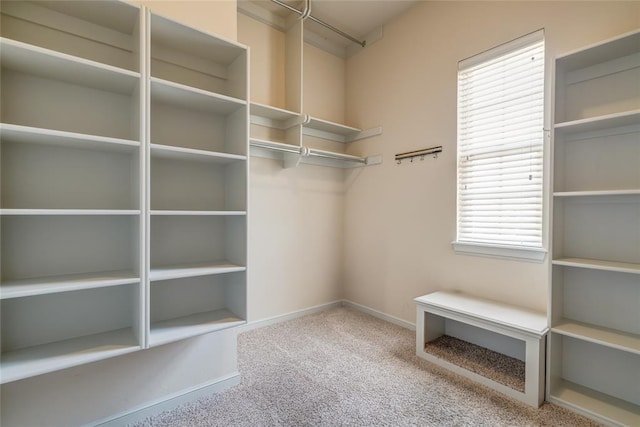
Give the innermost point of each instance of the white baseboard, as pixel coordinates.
(322, 307)
(171, 401)
(287, 316)
(380, 315)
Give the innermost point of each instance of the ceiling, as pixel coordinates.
(358, 18)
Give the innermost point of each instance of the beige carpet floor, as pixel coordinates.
(342, 367)
(499, 367)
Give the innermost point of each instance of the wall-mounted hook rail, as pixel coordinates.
(419, 153)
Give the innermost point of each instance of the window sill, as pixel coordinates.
(520, 253)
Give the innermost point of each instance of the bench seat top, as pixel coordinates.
(497, 313)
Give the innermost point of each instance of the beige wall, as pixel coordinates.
(267, 71)
(324, 85)
(400, 219)
(217, 16)
(296, 219)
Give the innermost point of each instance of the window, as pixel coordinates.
(500, 150)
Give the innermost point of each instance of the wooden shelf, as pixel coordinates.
(209, 47)
(60, 214)
(32, 135)
(596, 264)
(272, 113)
(192, 270)
(41, 359)
(167, 331)
(331, 127)
(70, 212)
(49, 64)
(192, 98)
(598, 335)
(594, 403)
(621, 46)
(190, 154)
(626, 118)
(196, 213)
(336, 132)
(329, 130)
(73, 282)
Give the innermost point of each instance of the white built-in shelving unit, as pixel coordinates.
(123, 214)
(289, 128)
(197, 178)
(288, 132)
(71, 210)
(594, 344)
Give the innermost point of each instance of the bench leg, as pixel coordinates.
(428, 328)
(534, 371)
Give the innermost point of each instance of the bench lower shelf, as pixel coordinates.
(495, 366)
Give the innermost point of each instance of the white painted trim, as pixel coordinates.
(519, 253)
(257, 324)
(380, 315)
(171, 401)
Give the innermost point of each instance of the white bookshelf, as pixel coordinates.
(170, 330)
(197, 60)
(45, 358)
(193, 305)
(179, 153)
(46, 332)
(596, 264)
(597, 405)
(595, 286)
(279, 116)
(72, 282)
(24, 58)
(599, 335)
(29, 135)
(193, 270)
(71, 208)
(197, 177)
(124, 139)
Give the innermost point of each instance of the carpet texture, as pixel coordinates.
(342, 367)
(499, 367)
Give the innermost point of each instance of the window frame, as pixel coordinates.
(505, 251)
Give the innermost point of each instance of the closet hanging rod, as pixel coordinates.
(321, 22)
(327, 155)
(308, 152)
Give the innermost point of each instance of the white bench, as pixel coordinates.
(516, 322)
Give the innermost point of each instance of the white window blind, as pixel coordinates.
(500, 145)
